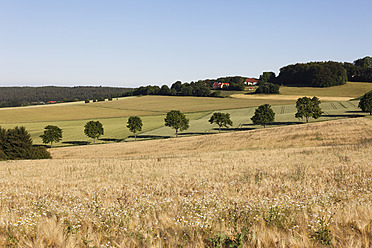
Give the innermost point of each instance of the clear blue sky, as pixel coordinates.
(132, 43)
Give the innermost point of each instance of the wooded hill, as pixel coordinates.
(21, 96)
(325, 74)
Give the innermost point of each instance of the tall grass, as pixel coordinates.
(281, 187)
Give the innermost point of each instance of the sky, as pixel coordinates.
(132, 43)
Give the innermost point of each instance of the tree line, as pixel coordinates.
(313, 74)
(200, 88)
(360, 70)
(318, 74)
(177, 89)
(23, 96)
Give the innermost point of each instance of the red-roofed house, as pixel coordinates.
(251, 81)
(52, 102)
(220, 85)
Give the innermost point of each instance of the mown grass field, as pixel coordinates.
(295, 186)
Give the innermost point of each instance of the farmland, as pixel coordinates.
(115, 129)
(292, 186)
(152, 109)
(287, 185)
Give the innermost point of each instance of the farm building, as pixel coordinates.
(220, 85)
(251, 81)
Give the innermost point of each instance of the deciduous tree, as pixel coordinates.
(308, 107)
(93, 129)
(135, 125)
(221, 119)
(366, 103)
(176, 120)
(51, 134)
(263, 115)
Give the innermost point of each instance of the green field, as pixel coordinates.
(284, 115)
(152, 109)
(116, 131)
(350, 89)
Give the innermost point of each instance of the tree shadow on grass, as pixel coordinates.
(239, 128)
(111, 140)
(192, 133)
(234, 129)
(144, 136)
(46, 146)
(77, 143)
(343, 116)
(285, 123)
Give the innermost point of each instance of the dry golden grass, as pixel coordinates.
(125, 107)
(345, 92)
(279, 187)
(288, 97)
(338, 132)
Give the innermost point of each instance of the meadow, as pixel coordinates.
(116, 130)
(152, 109)
(307, 185)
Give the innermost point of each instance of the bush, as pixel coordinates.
(267, 88)
(39, 152)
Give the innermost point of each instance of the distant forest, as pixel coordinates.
(22, 96)
(325, 74)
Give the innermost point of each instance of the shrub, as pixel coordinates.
(267, 88)
(39, 152)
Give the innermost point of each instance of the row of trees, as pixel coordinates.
(306, 108)
(177, 89)
(199, 88)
